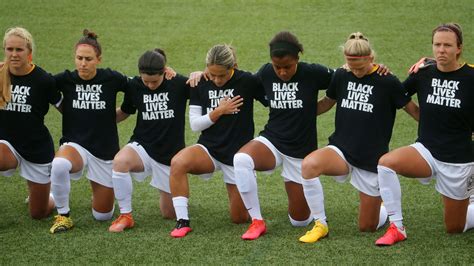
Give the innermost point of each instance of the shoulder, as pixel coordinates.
(107, 72)
(315, 69)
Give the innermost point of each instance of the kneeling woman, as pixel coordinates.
(90, 139)
(157, 137)
(222, 108)
(363, 129)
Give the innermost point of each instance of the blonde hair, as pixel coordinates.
(5, 80)
(357, 45)
(222, 55)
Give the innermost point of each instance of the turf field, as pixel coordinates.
(400, 31)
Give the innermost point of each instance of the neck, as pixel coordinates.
(88, 77)
(449, 67)
(21, 71)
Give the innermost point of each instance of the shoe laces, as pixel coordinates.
(182, 223)
(60, 219)
(122, 217)
(254, 225)
(393, 231)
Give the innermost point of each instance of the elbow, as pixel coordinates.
(195, 127)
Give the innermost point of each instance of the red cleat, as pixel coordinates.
(256, 229)
(392, 236)
(182, 229)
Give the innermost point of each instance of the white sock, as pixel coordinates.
(123, 188)
(383, 215)
(180, 205)
(296, 223)
(103, 216)
(391, 194)
(469, 217)
(61, 183)
(313, 192)
(246, 182)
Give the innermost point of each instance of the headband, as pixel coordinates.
(283, 46)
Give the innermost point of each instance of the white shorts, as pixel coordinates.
(452, 179)
(34, 172)
(291, 167)
(365, 181)
(227, 170)
(98, 170)
(160, 173)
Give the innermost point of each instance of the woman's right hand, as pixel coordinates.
(226, 106)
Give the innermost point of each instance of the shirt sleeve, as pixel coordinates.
(198, 121)
(128, 105)
(332, 89)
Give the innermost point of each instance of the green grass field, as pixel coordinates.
(400, 31)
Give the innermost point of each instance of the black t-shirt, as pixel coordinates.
(365, 114)
(230, 132)
(22, 120)
(160, 120)
(446, 102)
(291, 125)
(89, 116)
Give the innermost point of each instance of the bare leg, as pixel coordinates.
(40, 203)
(238, 212)
(369, 212)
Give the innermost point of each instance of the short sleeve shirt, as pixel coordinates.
(291, 126)
(365, 114)
(230, 132)
(89, 115)
(161, 115)
(22, 119)
(446, 102)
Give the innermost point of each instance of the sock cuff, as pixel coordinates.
(119, 174)
(180, 201)
(381, 168)
(311, 181)
(62, 162)
(243, 159)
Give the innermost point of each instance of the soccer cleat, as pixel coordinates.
(319, 231)
(392, 236)
(124, 221)
(256, 229)
(182, 228)
(61, 224)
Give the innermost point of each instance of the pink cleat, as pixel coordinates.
(182, 229)
(256, 229)
(392, 236)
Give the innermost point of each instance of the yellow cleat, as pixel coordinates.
(319, 231)
(61, 224)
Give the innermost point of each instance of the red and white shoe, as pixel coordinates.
(182, 229)
(392, 236)
(256, 229)
(124, 221)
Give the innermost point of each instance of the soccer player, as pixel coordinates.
(222, 109)
(443, 149)
(89, 132)
(290, 134)
(26, 91)
(365, 114)
(157, 137)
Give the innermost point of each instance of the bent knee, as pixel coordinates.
(455, 229)
(121, 164)
(240, 219)
(39, 214)
(310, 169)
(388, 161)
(179, 165)
(168, 214)
(367, 227)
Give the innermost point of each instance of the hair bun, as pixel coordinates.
(89, 34)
